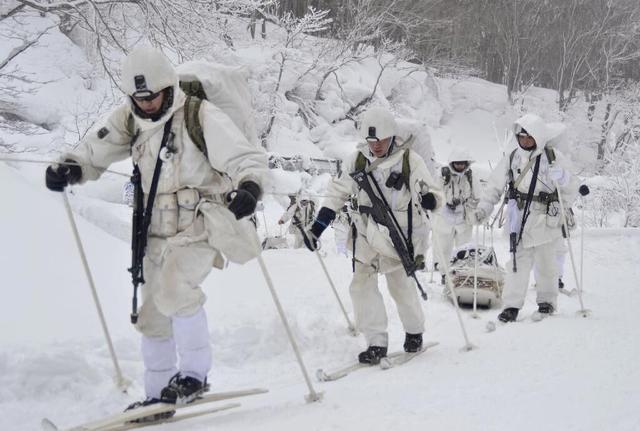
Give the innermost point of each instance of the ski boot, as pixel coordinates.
(152, 418)
(508, 315)
(412, 343)
(183, 389)
(560, 284)
(443, 279)
(372, 355)
(545, 308)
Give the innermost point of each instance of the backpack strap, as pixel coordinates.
(192, 121)
(469, 176)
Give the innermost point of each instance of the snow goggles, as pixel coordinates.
(147, 97)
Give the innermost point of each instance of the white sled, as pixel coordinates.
(490, 276)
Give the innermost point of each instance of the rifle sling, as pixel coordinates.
(156, 176)
(532, 188)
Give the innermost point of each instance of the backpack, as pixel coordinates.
(226, 87)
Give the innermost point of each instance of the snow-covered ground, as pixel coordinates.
(564, 373)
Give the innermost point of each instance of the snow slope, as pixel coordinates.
(565, 373)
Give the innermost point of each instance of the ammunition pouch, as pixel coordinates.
(173, 212)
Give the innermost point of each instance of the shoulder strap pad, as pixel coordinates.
(551, 155)
(193, 88)
(446, 174)
(130, 127)
(192, 121)
(406, 168)
(361, 162)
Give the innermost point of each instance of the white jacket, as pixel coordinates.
(461, 190)
(231, 161)
(373, 241)
(543, 224)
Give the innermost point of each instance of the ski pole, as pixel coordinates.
(264, 218)
(51, 162)
(350, 325)
(584, 191)
(121, 381)
(468, 346)
(584, 312)
(312, 395)
(475, 277)
(352, 329)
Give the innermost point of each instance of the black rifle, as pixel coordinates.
(382, 214)
(138, 240)
(142, 219)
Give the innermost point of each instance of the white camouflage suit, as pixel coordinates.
(172, 319)
(374, 252)
(303, 211)
(453, 223)
(542, 231)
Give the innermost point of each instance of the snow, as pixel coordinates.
(564, 373)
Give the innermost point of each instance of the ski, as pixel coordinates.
(537, 316)
(404, 357)
(569, 292)
(123, 419)
(391, 360)
(176, 418)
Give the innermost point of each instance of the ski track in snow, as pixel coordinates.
(564, 373)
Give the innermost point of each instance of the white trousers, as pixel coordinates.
(561, 255)
(445, 236)
(189, 344)
(369, 308)
(173, 275)
(516, 283)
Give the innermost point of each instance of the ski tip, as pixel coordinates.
(47, 425)
(385, 363)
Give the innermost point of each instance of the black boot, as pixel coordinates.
(412, 342)
(545, 308)
(443, 279)
(151, 418)
(372, 355)
(560, 284)
(508, 315)
(183, 389)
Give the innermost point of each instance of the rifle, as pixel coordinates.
(382, 214)
(138, 240)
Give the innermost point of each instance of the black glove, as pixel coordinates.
(56, 179)
(428, 201)
(245, 200)
(583, 190)
(322, 221)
